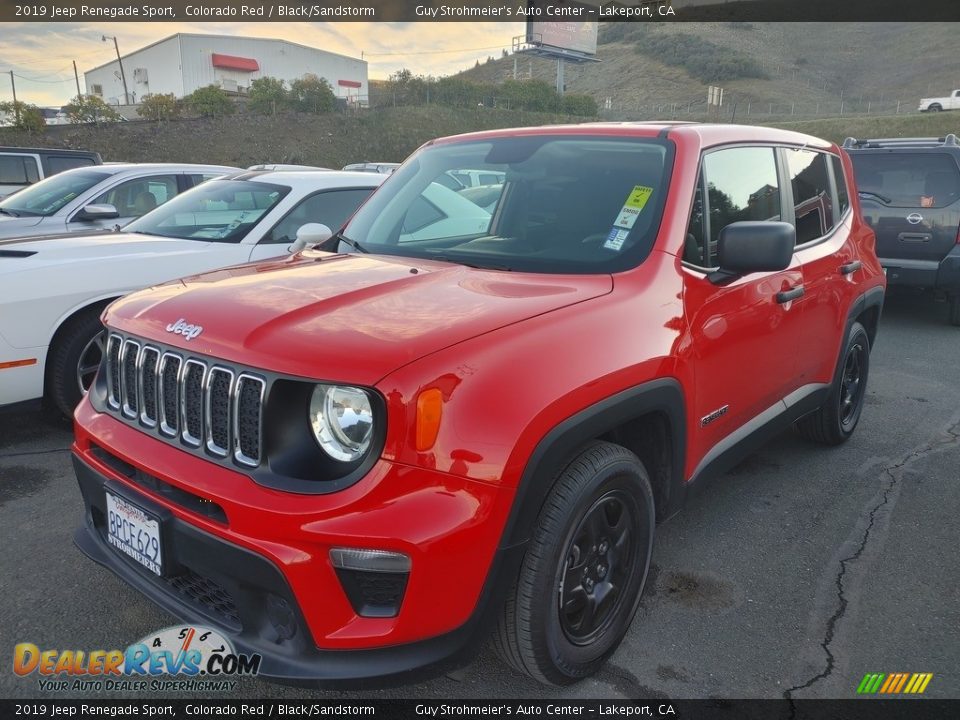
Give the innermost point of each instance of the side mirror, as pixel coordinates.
(748, 247)
(310, 234)
(98, 212)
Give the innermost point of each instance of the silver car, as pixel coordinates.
(99, 197)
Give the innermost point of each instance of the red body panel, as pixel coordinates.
(514, 354)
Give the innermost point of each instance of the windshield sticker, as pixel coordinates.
(631, 209)
(615, 239)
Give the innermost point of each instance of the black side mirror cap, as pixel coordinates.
(752, 246)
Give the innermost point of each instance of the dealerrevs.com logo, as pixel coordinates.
(191, 659)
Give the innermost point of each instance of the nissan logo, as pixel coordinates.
(914, 218)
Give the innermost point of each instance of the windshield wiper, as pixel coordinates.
(11, 213)
(488, 266)
(352, 243)
(882, 198)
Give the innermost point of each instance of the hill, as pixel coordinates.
(650, 70)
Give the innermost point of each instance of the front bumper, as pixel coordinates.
(262, 576)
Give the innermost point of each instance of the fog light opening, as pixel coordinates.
(374, 581)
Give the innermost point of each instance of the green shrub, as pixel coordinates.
(24, 116)
(210, 101)
(159, 106)
(267, 95)
(312, 94)
(90, 109)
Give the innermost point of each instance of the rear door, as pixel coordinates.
(17, 170)
(745, 333)
(820, 211)
(912, 202)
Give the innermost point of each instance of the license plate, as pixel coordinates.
(134, 533)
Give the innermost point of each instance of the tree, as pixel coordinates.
(90, 109)
(159, 106)
(210, 101)
(24, 116)
(267, 94)
(312, 94)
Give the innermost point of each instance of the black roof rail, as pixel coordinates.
(948, 140)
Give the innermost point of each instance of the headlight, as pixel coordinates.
(342, 421)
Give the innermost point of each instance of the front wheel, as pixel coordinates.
(581, 578)
(74, 359)
(834, 422)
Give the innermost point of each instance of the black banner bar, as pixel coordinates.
(476, 10)
(858, 709)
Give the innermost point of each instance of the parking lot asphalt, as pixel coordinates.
(795, 574)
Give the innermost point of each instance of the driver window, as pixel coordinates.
(331, 208)
(139, 196)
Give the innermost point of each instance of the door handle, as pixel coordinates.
(914, 237)
(850, 267)
(788, 295)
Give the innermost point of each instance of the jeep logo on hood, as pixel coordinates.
(182, 327)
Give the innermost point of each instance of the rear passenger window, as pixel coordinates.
(843, 200)
(741, 185)
(812, 198)
(18, 170)
(59, 163)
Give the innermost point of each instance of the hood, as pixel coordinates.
(343, 318)
(63, 248)
(13, 226)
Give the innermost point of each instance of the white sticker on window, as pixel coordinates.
(627, 218)
(615, 239)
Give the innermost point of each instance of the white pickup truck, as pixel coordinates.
(951, 102)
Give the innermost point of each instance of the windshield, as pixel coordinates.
(47, 196)
(548, 203)
(218, 210)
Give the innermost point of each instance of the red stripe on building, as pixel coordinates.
(348, 83)
(232, 62)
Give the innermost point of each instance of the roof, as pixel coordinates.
(117, 168)
(52, 150)
(228, 37)
(706, 134)
(319, 180)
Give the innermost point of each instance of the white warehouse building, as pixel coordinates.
(184, 62)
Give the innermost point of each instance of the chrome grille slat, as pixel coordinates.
(113, 370)
(247, 412)
(147, 367)
(217, 402)
(169, 387)
(191, 401)
(205, 406)
(129, 357)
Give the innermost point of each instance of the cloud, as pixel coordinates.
(42, 54)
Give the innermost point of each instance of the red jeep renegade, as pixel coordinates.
(470, 407)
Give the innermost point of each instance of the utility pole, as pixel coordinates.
(560, 82)
(76, 77)
(16, 108)
(123, 77)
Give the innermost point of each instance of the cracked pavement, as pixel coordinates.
(792, 576)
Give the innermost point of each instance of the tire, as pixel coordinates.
(934, 108)
(955, 310)
(75, 341)
(835, 421)
(599, 516)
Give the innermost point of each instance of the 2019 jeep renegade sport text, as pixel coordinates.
(354, 461)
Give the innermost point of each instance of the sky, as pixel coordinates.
(41, 55)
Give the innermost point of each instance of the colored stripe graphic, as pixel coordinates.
(894, 683)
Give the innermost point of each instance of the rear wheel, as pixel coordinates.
(74, 359)
(834, 422)
(955, 310)
(583, 572)
(935, 108)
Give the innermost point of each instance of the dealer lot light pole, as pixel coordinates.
(123, 77)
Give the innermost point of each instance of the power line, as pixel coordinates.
(50, 82)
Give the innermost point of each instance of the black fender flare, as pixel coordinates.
(558, 447)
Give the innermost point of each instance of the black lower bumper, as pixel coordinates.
(933, 274)
(209, 581)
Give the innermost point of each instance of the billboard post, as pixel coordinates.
(565, 41)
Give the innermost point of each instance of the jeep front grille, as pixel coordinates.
(199, 403)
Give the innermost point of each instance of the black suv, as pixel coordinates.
(910, 195)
